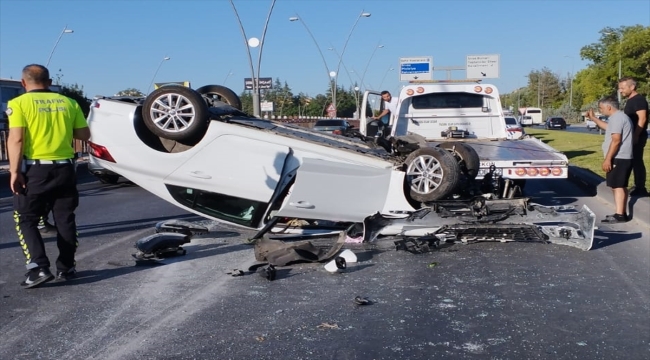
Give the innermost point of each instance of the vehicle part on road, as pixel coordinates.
(181, 227)
(467, 157)
(161, 245)
(176, 112)
(167, 241)
(337, 265)
(431, 174)
(268, 272)
(279, 253)
(502, 220)
(348, 255)
(220, 93)
(362, 300)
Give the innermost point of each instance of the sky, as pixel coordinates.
(121, 44)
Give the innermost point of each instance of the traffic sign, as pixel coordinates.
(482, 66)
(416, 68)
(331, 108)
(266, 106)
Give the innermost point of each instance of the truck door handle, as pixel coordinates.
(200, 175)
(302, 204)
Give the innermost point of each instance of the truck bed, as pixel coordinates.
(515, 151)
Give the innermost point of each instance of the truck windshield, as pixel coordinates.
(452, 100)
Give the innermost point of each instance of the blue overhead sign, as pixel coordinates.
(416, 68)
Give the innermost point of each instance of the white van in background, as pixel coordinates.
(531, 116)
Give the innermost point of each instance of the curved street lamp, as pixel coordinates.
(65, 31)
(249, 43)
(327, 70)
(362, 14)
(156, 73)
(368, 63)
(390, 68)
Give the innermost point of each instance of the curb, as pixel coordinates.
(595, 186)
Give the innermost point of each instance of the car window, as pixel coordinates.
(330, 123)
(511, 121)
(447, 101)
(228, 208)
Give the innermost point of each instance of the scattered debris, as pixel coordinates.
(280, 253)
(362, 300)
(269, 272)
(236, 272)
(349, 256)
(326, 325)
(419, 245)
(260, 338)
(432, 265)
(336, 265)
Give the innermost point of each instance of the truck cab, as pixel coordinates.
(441, 111)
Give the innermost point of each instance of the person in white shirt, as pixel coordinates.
(390, 108)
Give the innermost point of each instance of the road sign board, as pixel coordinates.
(482, 66)
(266, 106)
(331, 108)
(263, 83)
(416, 68)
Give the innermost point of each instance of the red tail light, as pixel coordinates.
(100, 152)
(337, 132)
(556, 171)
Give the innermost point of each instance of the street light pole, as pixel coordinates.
(253, 42)
(65, 31)
(390, 68)
(363, 76)
(571, 82)
(156, 73)
(327, 70)
(345, 45)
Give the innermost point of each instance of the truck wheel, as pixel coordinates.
(467, 157)
(221, 93)
(176, 112)
(432, 174)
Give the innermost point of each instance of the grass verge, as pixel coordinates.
(583, 150)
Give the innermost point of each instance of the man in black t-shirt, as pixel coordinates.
(636, 108)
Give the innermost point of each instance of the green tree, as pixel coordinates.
(76, 92)
(130, 92)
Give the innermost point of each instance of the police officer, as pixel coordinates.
(42, 125)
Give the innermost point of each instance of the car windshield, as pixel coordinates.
(330, 123)
(511, 121)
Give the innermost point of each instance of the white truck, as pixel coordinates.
(449, 112)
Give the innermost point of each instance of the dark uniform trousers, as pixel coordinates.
(54, 184)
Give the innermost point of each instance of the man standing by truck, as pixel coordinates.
(617, 147)
(636, 108)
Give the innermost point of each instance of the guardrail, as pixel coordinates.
(79, 146)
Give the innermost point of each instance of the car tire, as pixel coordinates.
(108, 179)
(467, 158)
(420, 184)
(221, 93)
(176, 112)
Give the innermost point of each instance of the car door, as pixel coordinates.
(370, 105)
(328, 190)
(232, 178)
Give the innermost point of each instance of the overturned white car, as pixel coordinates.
(197, 150)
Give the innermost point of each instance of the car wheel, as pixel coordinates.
(108, 179)
(466, 156)
(432, 174)
(176, 113)
(221, 93)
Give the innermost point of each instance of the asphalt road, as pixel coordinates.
(489, 300)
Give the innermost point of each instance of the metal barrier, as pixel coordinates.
(79, 146)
